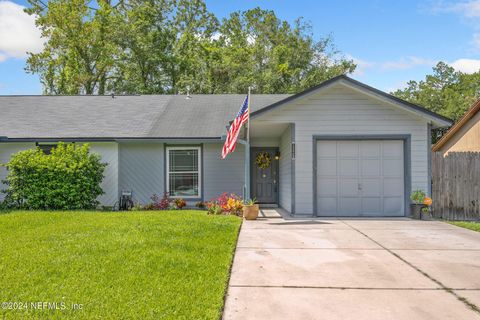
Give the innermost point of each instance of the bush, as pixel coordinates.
(67, 179)
(226, 204)
(159, 203)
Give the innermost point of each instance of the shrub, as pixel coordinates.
(227, 203)
(418, 196)
(159, 203)
(66, 179)
(180, 203)
(200, 205)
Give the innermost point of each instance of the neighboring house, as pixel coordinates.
(464, 135)
(341, 148)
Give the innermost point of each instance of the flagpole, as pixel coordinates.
(247, 153)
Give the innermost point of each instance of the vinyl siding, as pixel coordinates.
(109, 153)
(6, 151)
(222, 175)
(142, 169)
(285, 170)
(343, 111)
(467, 139)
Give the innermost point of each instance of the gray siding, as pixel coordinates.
(141, 169)
(109, 153)
(343, 111)
(285, 170)
(222, 175)
(6, 151)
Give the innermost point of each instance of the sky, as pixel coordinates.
(391, 41)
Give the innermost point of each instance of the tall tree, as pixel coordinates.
(446, 91)
(169, 46)
(80, 50)
(257, 48)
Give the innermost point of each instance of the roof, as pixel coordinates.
(150, 116)
(438, 119)
(474, 109)
(136, 116)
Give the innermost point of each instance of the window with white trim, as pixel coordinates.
(183, 172)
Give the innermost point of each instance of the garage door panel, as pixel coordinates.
(371, 187)
(327, 149)
(349, 206)
(347, 149)
(393, 187)
(328, 205)
(372, 206)
(327, 187)
(370, 149)
(392, 149)
(360, 178)
(392, 167)
(327, 167)
(393, 206)
(348, 167)
(370, 167)
(349, 187)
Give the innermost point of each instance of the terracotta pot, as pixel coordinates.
(250, 212)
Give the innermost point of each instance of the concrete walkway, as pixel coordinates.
(354, 269)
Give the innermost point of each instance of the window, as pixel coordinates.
(183, 172)
(46, 148)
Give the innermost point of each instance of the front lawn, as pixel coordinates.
(132, 265)
(475, 226)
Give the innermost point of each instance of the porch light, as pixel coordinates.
(277, 156)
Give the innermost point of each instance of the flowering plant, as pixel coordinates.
(225, 203)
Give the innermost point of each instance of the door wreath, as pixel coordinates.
(263, 160)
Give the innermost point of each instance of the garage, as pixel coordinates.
(360, 178)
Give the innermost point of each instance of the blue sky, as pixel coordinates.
(392, 41)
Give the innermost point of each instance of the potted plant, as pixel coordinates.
(416, 207)
(250, 209)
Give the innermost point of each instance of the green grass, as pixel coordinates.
(133, 265)
(475, 226)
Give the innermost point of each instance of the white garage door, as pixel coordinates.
(360, 178)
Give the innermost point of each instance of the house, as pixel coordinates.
(341, 148)
(464, 135)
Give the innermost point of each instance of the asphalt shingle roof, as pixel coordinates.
(143, 116)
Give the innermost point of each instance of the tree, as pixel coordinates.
(170, 46)
(446, 91)
(256, 48)
(80, 46)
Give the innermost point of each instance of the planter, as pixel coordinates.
(250, 212)
(416, 210)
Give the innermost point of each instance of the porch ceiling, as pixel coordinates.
(267, 129)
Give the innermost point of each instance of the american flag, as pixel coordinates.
(233, 132)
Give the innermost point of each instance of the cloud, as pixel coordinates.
(469, 9)
(466, 65)
(18, 33)
(407, 63)
(362, 65)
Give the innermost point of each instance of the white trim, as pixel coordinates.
(199, 171)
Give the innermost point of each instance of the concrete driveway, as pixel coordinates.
(354, 269)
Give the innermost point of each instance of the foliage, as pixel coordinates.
(173, 266)
(446, 91)
(67, 178)
(200, 205)
(137, 206)
(159, 203)
(179, 203)
(230, 204)
(167, 46)
(214, 208)
(250, 202)
(418, 196)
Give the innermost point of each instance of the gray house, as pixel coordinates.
(341, 148)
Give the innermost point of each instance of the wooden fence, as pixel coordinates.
(456, 185)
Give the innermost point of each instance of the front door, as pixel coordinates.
(264, 175)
